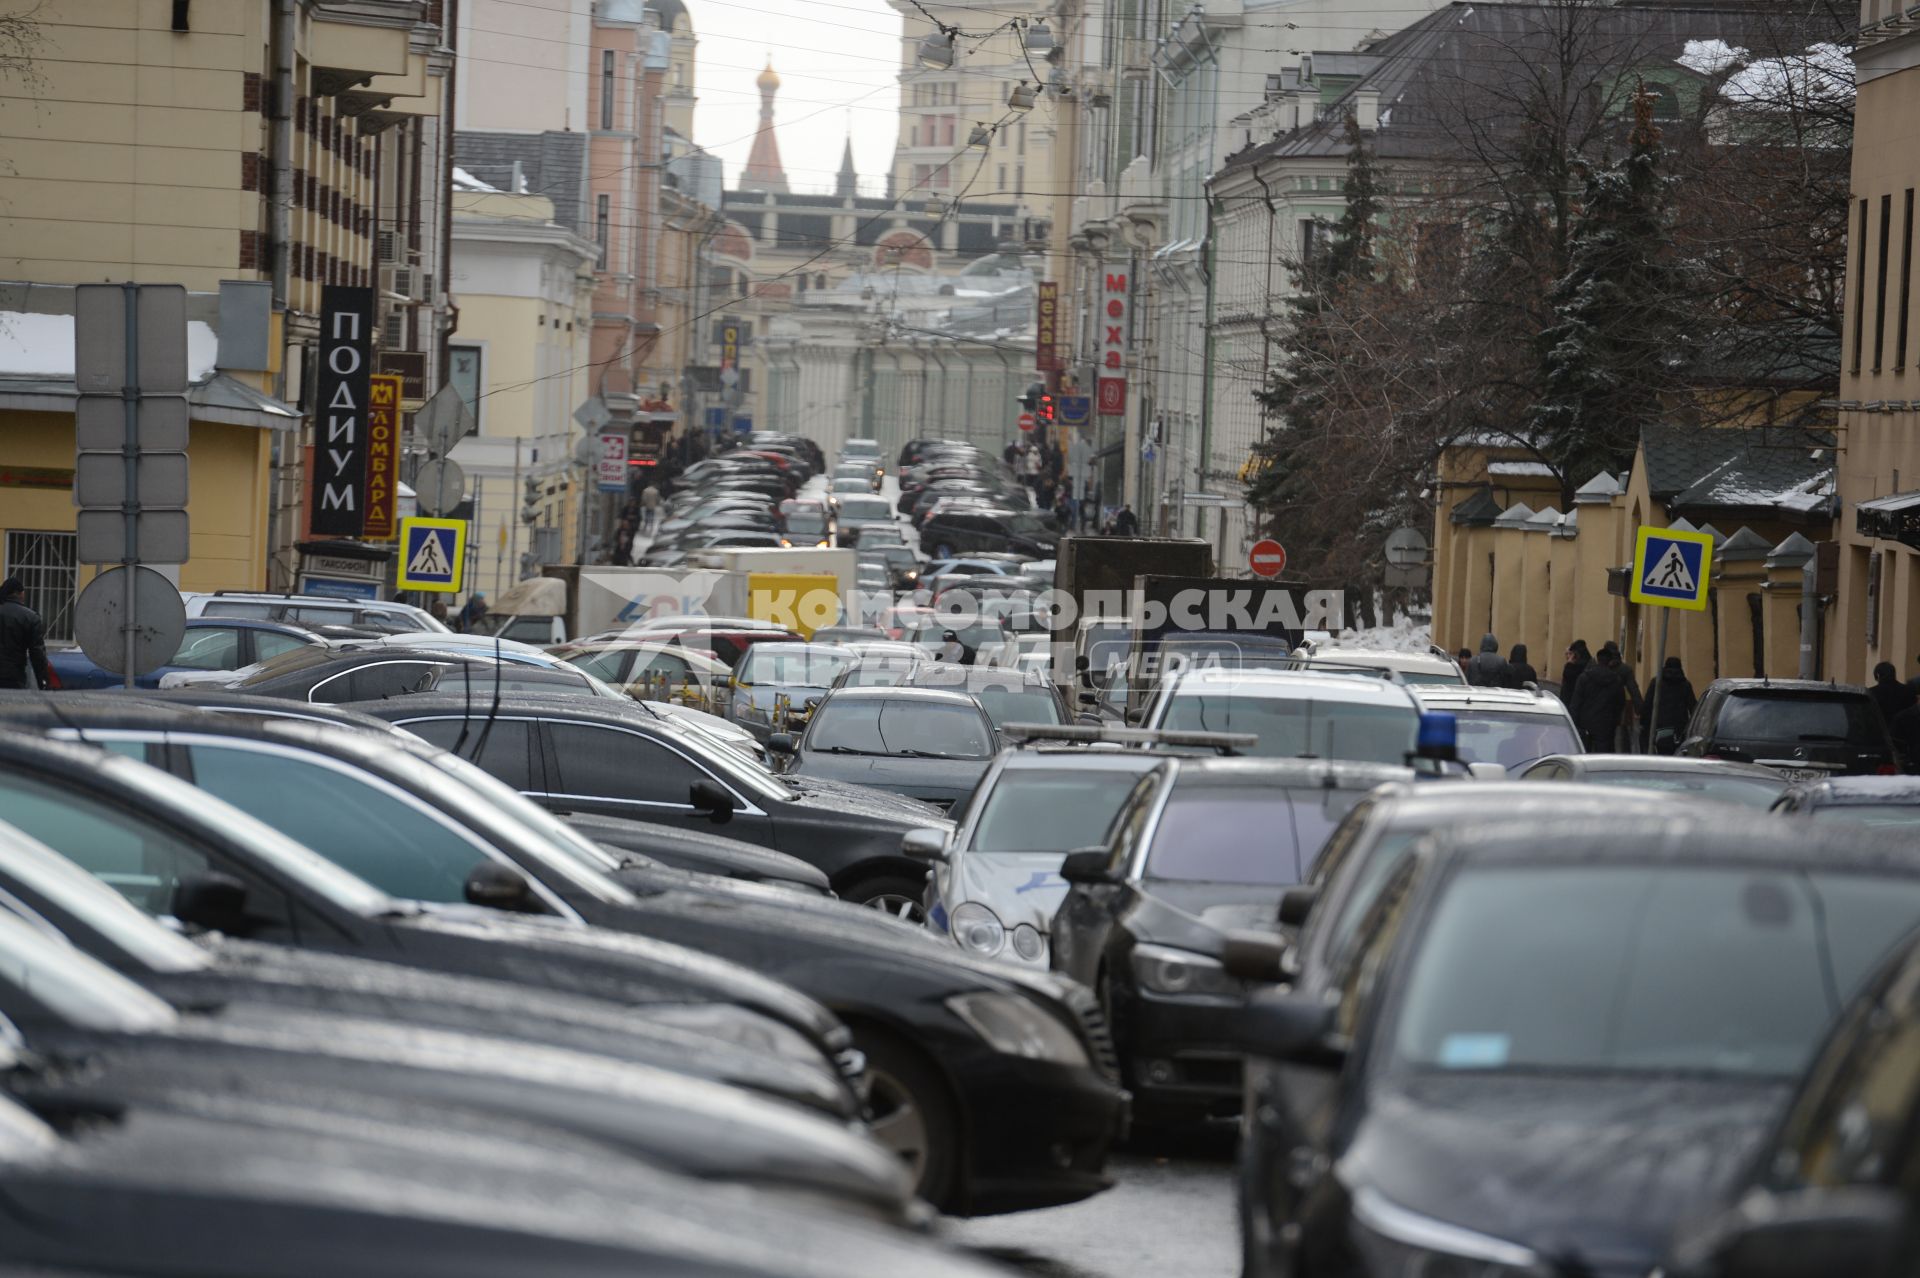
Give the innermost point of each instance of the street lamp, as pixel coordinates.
(936, 51)
(1039, 39)
(1020, 97)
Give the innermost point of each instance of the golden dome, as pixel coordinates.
(767, 80)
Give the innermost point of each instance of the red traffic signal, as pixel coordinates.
(1044, 411)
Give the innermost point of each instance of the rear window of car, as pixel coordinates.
(870, 508)
(1051, 810)
(872, 725)
(795, 667)
(1795, 717)
(1512, 740)
(1302, 727)
(1266, 837)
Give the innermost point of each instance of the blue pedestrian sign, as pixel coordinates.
(1670, 568)
(432, 554)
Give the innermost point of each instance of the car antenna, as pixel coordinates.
(79, 733)
(493, 711)
(466, 714)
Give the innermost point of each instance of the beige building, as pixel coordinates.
(1875, 615)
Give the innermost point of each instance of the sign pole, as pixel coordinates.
(1659, 664)
(130, 452)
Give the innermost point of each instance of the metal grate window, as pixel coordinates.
(48, 565)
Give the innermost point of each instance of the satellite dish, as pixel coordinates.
(159, 615)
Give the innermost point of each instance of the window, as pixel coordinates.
(1860, 289)
(1020, 179)
(464, 375)
(137, 860)
(1001, 183)
(48, 565)
(209, 648)
(1023, 137)
(606, 88)
(251, 611)
(608, 763)
(365, 827)
(601, 214)
(874, 725)
(271, 643)
(609, 665)
(1906, 286)
(322, 616)
(1880, 280)
(1051, 810)
(508, 754)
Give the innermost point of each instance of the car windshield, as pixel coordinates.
(1022, 704)
(1795, 718)
(1754, 792)
(885, 725)
(810, 520)
(1511, 739)
(1376, 866)
(931, 632)
(1267, 837)
(855, 509)
(879, 674)
(1882, 815)
(1301, 727)
(813, 666)
(1052, 809)
(1642, 968)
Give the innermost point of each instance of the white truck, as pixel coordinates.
(805, 589)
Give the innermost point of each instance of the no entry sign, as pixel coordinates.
(1026, 421)
(1267, 558)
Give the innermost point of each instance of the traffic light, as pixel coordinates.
(530, 502)
(1029, 399)
(1044, 413)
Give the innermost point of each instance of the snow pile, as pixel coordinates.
(1710, 57)
(1822, 74)
(35, 345)
(1402, 634)
(465, 181)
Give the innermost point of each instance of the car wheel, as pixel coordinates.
(895, 894)
(912, 1114)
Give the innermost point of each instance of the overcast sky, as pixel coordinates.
(837, 61)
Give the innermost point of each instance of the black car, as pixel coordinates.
(701, 851)
(981, 1078)
(236, 876)
(1806, 729)
(1723, 780)
(1835, 1188)
(334, 675)
(1200, 848)
(1545, 1047)
(926, 744)
(598, 758)
(1008, 696)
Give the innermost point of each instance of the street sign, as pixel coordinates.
(1670, 569)
(383, 455)
(1073, 410)
(1026, 421)
(593, 413)
(100, 423)
(1406, 548)
(160, 481)
(440, 486)
(160, 535)
(100, 338)
(341, 392)
(443, 421)
(611, 469)
(160, 620)
(1267, 558)
(432, 554)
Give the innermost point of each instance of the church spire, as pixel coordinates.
(848, 181)
(764, 171)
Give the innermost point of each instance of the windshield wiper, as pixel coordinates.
(1822, 736)
(923, 754)
(845, 750)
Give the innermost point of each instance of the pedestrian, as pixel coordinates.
(1888, 692)
(1636, 704)
(951, 650)
(23, 640)
(1044, 493)
(1487, 668)
(1465, 658)
(649, 507)
(1676, 703)
(1905, 730)
(1579, 657)
(437, 609)
(622, 556)
(1063, 509)
(1030, 466)
(1125, 522)
(1600, 697)
(1519, 673)
(475, 609)
(1011, 454)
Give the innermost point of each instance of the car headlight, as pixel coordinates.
(1161, 969)
(1028, 943)
(1400, 1243)
(977, 928)
(1018, 1027)
(740, 1027)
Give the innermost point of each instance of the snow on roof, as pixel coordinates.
(1710, 57)
(465, 181)
(1824, 73)
(1532, 469)
(36, 345)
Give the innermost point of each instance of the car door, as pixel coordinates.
(622, 772)
(1086, 915)
(508, 749)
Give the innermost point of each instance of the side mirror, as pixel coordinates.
(711, 798)
(1296, 903)
(213, 901)
(1254, 956)
(1806, 1233)
(500, 887)
(1289, 1027)
(1486, 772)
(1087, 698)
(925, 845)
(781, 743)
(1088, 865)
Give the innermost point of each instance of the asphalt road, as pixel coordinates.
(1170, 1215)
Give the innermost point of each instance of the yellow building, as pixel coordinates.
(525, 285)
(1875, 615)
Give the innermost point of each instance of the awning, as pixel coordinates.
(218, 399)
(1895, 517)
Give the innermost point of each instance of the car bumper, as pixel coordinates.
(1038, 1133)
(1179, 1054)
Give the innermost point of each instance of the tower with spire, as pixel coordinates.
(847, 182)
(763, 171)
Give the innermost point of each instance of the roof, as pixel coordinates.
(1784, 685)
(1281, 684)
(1323, 773)
(553, 164)
(1515, 800)
(933, 696)
(1615, 763)
(1765, 471)
(1685, 835)
(1434, 696)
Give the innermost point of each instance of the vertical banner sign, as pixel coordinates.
(1046, 328)
(383, 454)
(611, 470)
(340, 411)
(1110, 387)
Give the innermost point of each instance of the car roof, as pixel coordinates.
(937, 675)
(1330, 774)
(778, 646)
(1324, 685)
(1116, 759)
(1663, 763)
(421, 705)
(1681, 834)
(1517, 801)
(933, 696)
(1441, 696)
(1857, 791)
(1391, 658)
(1784, 685)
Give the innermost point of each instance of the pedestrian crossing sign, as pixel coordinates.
(432, 553)
(1670, 568)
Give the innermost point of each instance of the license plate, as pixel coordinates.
(1803, 774)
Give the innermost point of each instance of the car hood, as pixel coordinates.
(939, 781)
(1019, 887)
(1588, 1171)
(697, 850)
(849, 796)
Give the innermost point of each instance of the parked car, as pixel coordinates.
(1887, 802)
(1296, 715)
(1490, 1078)
(1808, 730)
(1722, 780)
(775, 686)
(1200, 847)
(643, 664)
(208, 644)
(925, 744)
(727, 638)
(1510, 727)
(360, 674)
(310, 610)
(1019, 532)
(1430, 667)
(652, 843)
(1008, 696)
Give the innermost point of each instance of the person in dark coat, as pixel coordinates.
(1126, 523)
(1676, 707)
(1463, 656)
(1888, 692)
(1599, 699)
(1518, 671)
(1905, 730)
(1487, 668)
(1636, 704)
(23, 640)
(1578, 659)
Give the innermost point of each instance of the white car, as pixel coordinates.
(1417, 668)
(310, 610)
(1296, 714)
(1505, 726)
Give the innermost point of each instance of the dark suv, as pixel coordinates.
(966, 530)
(1806, 729)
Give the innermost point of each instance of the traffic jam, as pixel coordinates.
(887, 874)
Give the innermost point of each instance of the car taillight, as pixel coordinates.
(1886, 770)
